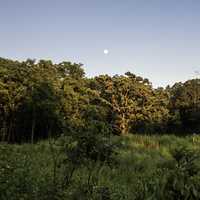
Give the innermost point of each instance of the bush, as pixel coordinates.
(180, 176)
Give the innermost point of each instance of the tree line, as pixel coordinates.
(42, 99)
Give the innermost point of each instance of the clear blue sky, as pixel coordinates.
(158, 39)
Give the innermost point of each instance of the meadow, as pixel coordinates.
(142, 167)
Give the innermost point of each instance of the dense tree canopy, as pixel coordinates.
(42, 99)
(185, 104)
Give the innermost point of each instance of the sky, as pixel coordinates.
(157, 39)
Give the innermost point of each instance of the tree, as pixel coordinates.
(185, 104)
(74, 70)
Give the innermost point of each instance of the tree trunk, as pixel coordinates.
(4, 132)
(10, 131)
(122, 125)
(33, 130)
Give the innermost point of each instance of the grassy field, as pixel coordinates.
(145, 167)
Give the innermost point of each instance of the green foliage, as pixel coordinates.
(78, 117)
(145, 167)
(185, 105)
(181, 175)
(41, 100)
(131, 102)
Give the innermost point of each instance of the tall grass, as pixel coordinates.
(146, 167)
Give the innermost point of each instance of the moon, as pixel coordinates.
(105, 51)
